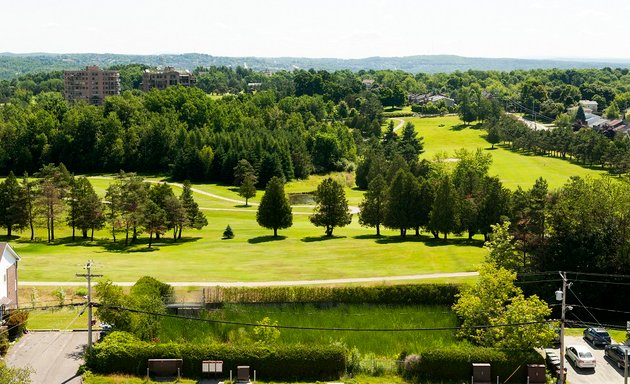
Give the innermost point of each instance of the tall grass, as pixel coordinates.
(382, 343)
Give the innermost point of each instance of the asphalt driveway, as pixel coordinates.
(605, 372)
(54, 356)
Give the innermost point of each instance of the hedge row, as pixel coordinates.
(456, 364)
(397, 114)
(421, 294)
(123, 353)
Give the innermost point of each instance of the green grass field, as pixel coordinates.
(301, 252)
(386, 343)
(448, 134)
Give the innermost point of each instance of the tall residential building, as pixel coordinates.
(91, 85)
(162, 78)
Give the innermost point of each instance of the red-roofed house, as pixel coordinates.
(8, 278)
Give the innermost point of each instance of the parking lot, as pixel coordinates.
(605, 372)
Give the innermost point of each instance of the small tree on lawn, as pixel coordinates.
(332, 206)
(228, 233)
(194, 217)
(274, 211)
(247, 189)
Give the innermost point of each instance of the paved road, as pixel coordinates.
(268, 283)
(604, 373)
(54, 356)
(400, 124)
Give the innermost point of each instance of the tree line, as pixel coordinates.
(131, 206)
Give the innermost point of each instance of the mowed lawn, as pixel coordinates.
(300, 253)
(448, 134)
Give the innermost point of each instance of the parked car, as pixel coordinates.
(597, 336)
(580, 356)
(616, 353)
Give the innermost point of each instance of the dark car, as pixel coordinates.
(597, 336)
(616, 353)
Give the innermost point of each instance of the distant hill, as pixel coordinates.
(12, 65)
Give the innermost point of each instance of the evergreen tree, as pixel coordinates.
(410, 145)
(228, 233)
(54, 183)
(332, 206)
(194, 217)
(580, 117)
(242, 169)
(372, 208)
(274, 211)
(13, 208)
(400, 211)
(247, 189)
(270, 166)
(113, 197)
(154, 220)
(175, 214)
(30, 196)
(134, 193)
(444, 213)
(89, 211)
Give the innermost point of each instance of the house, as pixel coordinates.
(414, 98)
(589, 104)
(9, 278)
(595, 121)
(367, 83)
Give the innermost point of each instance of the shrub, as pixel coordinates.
(4, 343)
(421, 294)
(16, 323)
(456, 363)
(118, 353)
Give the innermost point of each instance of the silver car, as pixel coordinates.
(581, 356)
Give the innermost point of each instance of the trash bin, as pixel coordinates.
(481, 373)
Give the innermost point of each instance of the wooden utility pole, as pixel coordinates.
(89, 275)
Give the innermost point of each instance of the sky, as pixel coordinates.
(320, 28)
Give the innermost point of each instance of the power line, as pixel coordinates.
(247, 324)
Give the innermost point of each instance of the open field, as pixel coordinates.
(299, 253)
(448, 134)
(387, 343)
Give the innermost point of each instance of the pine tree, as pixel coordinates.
(332, 206)
(580, 117)
(90, 214)
(194, 217)
(154, 220)
(403, 197)
(228, 233)
(13, 209)
(30, 195)
(372, 208)
(274, 211)
(242, 169)
(444, 211)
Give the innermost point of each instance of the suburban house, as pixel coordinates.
(414, 98)
(9, 280)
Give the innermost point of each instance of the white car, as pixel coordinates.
(581, 356)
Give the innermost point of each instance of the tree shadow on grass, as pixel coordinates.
(427, 240)
(311, 239)
(368, 237)
(265, 239)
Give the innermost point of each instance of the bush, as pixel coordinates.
(4, 343)
(121, 353)
(456, 363)
(16, 323)
(149, 286)
(421, 294)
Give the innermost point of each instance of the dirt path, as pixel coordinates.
(401, 122)
(270, 283)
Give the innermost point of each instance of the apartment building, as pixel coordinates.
(91, 85)
(166, 77)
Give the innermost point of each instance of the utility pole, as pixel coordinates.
(89, 276)
(625, 367)
(561, 295)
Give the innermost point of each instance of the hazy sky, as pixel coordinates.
(320, 28)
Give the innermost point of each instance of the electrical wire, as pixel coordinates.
(318, 328)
